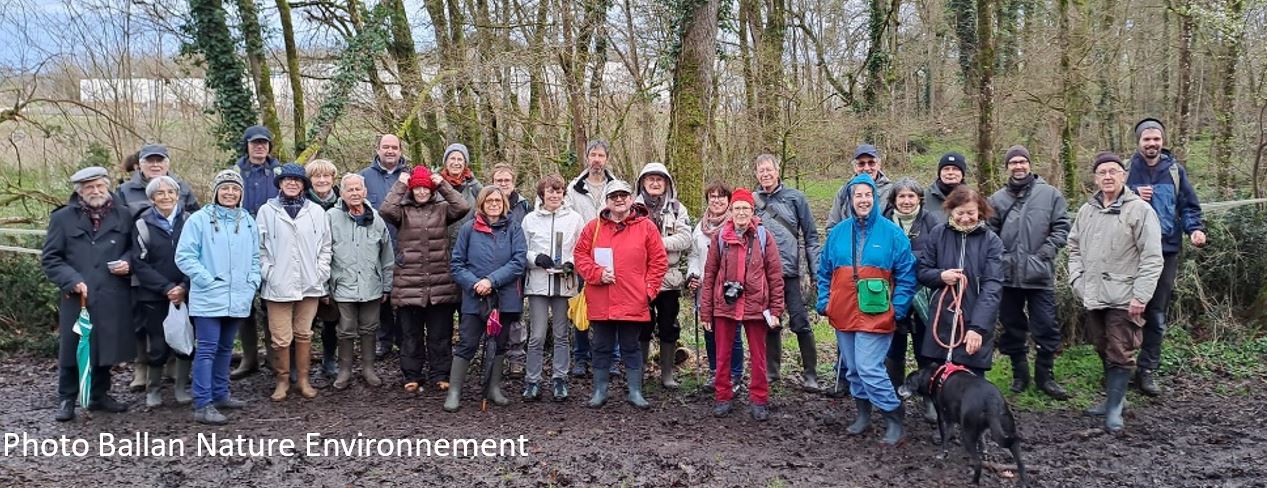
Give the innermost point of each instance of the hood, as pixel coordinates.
(657, 169)
(864, 179)
(1115, 207)
(637, 211)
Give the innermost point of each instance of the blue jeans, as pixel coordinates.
(211, 357)
(864, 354)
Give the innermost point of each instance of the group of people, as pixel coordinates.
(386, 257)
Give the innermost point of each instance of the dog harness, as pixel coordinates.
(943, 373)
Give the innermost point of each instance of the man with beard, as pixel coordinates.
(86, 255)
(1158, 178)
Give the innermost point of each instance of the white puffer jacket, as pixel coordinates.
(553, 234)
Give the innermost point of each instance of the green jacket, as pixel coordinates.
(362, 259)
(1114, 252)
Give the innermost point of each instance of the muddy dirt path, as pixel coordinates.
(1185, 440)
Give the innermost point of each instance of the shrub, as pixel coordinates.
(28, 312)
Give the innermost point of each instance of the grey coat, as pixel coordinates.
(842, 209)
(132, 192)
(361, 257)
(785, 213)
(1033, 226)
(74, 254)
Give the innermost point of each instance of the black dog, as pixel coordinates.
(961, 397)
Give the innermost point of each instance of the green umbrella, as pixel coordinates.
(83, 353)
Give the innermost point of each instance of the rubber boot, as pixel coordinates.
(154, 388)
(368, 356)
(863, 421)
(602, 379)
(180, 381)
(668, 365)
(330, 352)
(809, 362)
(345, 364)
(646, 353)
(281, 373)
(634, 382)
(251, 354)
(303, 360)
(294, 374)
(140, 370)
(897, 372)
(1020, 373)
(1117, 380)
(493, 390)
(892, 428)
(773, 356)
(457, 374)
(1045, 380)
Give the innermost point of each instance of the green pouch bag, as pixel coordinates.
(873, 295)
(919, 305)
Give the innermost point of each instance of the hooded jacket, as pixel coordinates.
(132, 192)
(582, 200)
(979, 252)
(1176, 203)
(294, 252)
(361, 257)
(639, 263)
(841, 208)
(219, 250)
(1115, 252)
(871, 247)
(257, 181)
(495, 251)
(1033, 226)
(422, 276)
(553, 234)
(785, 212)
(675, 224)
(741, 259)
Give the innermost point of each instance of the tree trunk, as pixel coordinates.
(767, 29)
(292, 72)
(1225, 160)
(224, 72)
(420, 129)
(260, 73)
(964, 18)
(1106, 77)
(986, 166)
(1069, 38)
(1183, 99)
(690, 99)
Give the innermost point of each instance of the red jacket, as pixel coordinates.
(761, 272)
(638, 258)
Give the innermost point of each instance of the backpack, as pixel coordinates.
(761, 237)
(143, 236)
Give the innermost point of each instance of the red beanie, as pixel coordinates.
(742, 194)
(421, 177)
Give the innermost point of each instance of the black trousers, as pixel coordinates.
(149, 318)
(471, 332)
(1155, 314)
(911, 327)
(664, 312)
(432, 326)
(389, 329)
(68, 370)
(1028, 313)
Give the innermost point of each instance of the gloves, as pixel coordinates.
(544, 261)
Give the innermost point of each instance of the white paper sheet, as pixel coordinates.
(603, 257)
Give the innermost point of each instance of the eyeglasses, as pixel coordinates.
(866, 164)
(743, 209)
(618, 196)
(1108, 172)
(719, 197)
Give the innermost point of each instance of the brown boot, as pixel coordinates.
(303, 362)
(281, 373)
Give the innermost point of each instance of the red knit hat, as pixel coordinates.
(421, 177)
(742, 194)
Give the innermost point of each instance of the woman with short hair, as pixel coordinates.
(159, 284)
(551, 232)
(325, 193)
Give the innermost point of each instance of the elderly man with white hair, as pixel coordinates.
(86, 254)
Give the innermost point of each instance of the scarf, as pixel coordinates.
(167, 224)
(656, 206)
(965, 230)
(292, 205)
(329, 201)
(904, 220)
(711, 224)
(364, 219)
(457, 181)
(95, 215)
(481, 224)
(945, 188)
(1018, 186)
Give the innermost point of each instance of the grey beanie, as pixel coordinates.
(1148, 123)
(459, 147)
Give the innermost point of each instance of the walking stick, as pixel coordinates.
(695, 313)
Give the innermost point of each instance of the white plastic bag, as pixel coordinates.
(177, 330)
